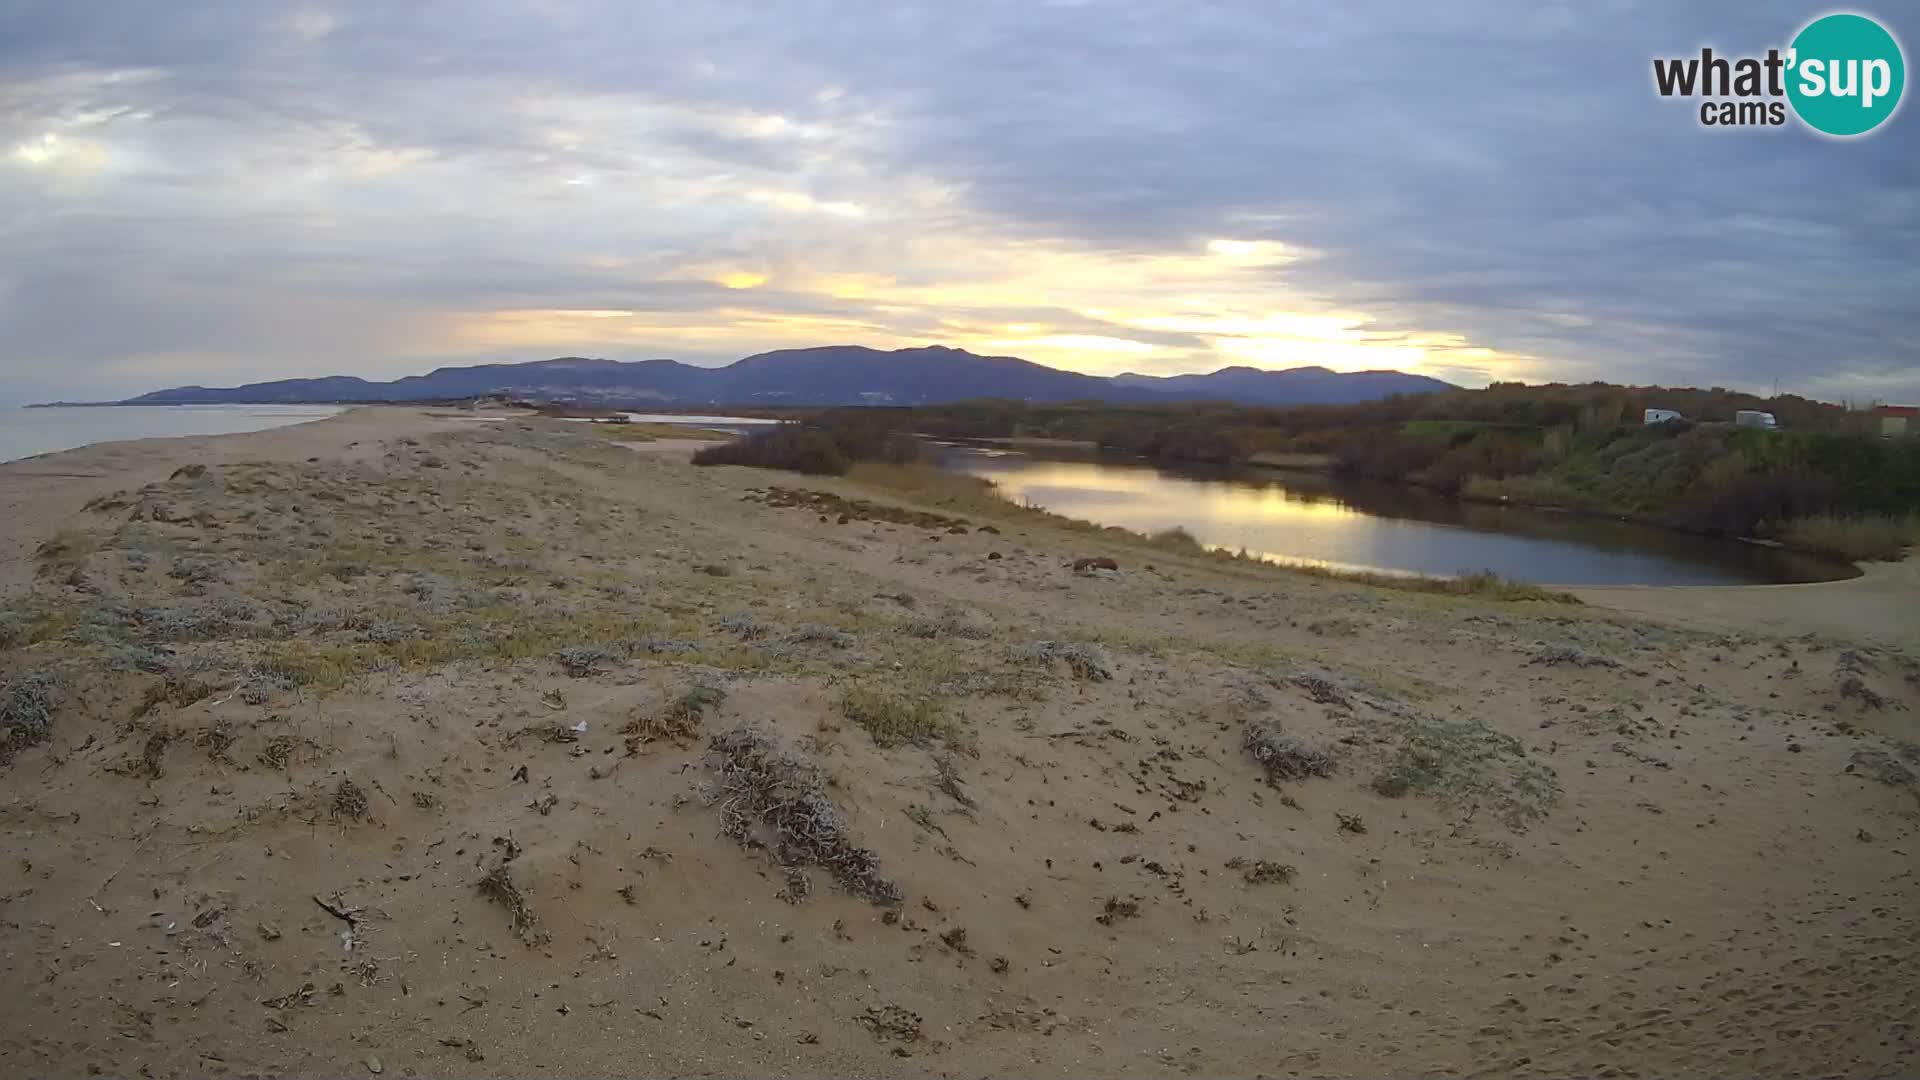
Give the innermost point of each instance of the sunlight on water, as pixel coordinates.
(1311, 520)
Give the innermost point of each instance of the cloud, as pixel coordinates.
(226, 190)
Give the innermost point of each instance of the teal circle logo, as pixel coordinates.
(1845, 74)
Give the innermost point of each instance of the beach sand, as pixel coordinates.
(1882, 606)
(386, 744)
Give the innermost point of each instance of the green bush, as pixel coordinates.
(829, 448)
(785, 447)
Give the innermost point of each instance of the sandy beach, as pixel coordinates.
(1882, 606)
(399, 743)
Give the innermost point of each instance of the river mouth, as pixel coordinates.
(1314, 520)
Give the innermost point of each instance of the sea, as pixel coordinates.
(27, 432)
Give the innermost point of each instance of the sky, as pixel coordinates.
(236, 190)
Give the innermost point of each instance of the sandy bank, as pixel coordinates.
(1882, 606)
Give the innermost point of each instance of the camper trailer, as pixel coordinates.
(1660, 416)
(1897, 421)
(1755, 418)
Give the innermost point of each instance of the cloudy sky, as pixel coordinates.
(229, 190)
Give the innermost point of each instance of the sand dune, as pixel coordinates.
(399, 744)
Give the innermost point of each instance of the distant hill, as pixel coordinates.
(829, 375)
(1292, 386)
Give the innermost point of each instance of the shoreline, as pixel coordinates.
(290, 415)
(1881, 605)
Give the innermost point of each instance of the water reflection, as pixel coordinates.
(1309, 518)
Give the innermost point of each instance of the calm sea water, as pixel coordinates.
(26, 432)
(1309, 518)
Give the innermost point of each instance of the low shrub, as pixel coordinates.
(1865, 538)
(825, 450)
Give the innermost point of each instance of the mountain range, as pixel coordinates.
(829, 375)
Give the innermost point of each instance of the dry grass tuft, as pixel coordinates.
(26, 713)
(1284, 756)
(678, 722)
(176, 692)
(892, 719)
(1465, 761)
(1085, 662)
(775, 800)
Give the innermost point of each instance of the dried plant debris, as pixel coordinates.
(689, 708)
(1117, 909)
(195, 570)
(947, 779)
(952, 624)
(349, 801)
(1261, 871)
(1567, 654)
(302, 996)
(1284, 756)
(389, 633)
(1854, 687)
(580, 661)
(216, 738)
(891, 1022)
(825, 502)
(657, 645)
(278, 752)
(773, 799)
(550, 732)
(679, 721)
(1083, 661)
(1349, 823)
(26, 713)
(498, 886)
(808, 633)
(152, 764)
(1320, 688)
(1890, 769)
(798, 887)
